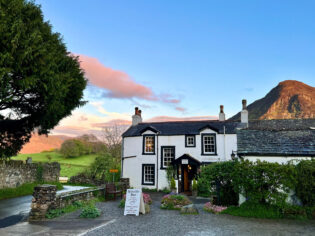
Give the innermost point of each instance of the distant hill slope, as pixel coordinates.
(39, 143)
(290, 99)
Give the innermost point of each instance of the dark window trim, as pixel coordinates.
(162, 147)
(143, 165)
(190, 135)
(143, 145)
(215, 145)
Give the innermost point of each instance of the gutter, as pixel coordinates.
(224, 143)
(122, 158)
(157, 160)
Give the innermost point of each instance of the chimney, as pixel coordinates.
(136, 118)
(221, 114)
(244, 112)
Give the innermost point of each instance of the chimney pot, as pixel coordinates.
(244, 113)
(244, 104)
(221, 114)
(221, 109)
(136, 118)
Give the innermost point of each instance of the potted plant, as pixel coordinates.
(194, 188)
(173, 185)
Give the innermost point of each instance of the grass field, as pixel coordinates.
(69, 166)
(23, 190)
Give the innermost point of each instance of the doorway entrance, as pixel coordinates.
(187, 169)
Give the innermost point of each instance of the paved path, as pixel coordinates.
(14, 210)
(160, 222)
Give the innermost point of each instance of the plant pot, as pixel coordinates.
(194, 193)
(174, 190)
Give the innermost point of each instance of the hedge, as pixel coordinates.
(261, 182)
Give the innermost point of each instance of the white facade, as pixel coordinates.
(134, 158)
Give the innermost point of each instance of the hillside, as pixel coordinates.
(290, 99)
(39, 143)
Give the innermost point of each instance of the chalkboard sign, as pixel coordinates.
(132, 205)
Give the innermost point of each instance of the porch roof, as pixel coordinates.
(191, 160)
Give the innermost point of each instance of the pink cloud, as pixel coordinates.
(182, 109)
(118, 83)
(115, 122)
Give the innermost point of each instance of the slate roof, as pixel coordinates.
(285, 124)
(183, 127)
(277, 137)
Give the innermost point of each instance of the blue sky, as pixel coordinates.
(199, 53)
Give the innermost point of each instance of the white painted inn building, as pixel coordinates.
(148, 148)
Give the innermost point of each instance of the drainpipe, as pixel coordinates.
(122, 158)
(224, 143)
(157, 161)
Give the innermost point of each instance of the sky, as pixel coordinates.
(180, 59)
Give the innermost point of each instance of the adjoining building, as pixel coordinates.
(277, 140)
(149, 148)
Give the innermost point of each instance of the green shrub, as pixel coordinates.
(194, 185)
(170, 172)
(217, 179)
(90, 212)
(268, 211)
(305, 186)
(99, 169)
(203, 186)
(54, 213)
(150, 190)
(122, 203)
(264, 182)
(78, 204)
(173, 183)
(75, 148)
(250, 209)
(165, 190)
(174, 202)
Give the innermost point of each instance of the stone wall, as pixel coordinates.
(45, 198)
(65, 199)
(83, 178)
(15, 173)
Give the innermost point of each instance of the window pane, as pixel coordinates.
(149, 144)
(209, 144)
(149, 174)
(168, 156)
(190, 141)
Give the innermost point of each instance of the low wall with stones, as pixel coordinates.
(83, 178)
(15, 173)
(45, 197)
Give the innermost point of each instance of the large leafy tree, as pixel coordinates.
(40, 81)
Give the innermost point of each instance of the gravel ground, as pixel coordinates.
(165, 222)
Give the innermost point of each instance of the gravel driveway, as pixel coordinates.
(165, 222)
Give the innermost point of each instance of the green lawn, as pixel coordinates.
(69, 166)
(23, 190)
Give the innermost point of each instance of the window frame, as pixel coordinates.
(143, 174)
(203, 146)
(144, 143)
(162, 156)
(186, 140)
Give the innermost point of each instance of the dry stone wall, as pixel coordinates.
(45, 198)
(15, 173)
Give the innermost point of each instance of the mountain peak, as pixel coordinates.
(290, 99)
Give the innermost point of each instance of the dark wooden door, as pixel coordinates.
(186, 181)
